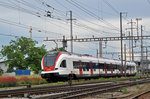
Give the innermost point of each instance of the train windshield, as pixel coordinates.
(49, 60)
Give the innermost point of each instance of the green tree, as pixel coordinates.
(23, 54)
(1, 71)
(58, 49)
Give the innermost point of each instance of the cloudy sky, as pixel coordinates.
(48, 18)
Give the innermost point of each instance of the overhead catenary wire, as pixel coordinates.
(82, 18)
(16, 8)
(86, 20)
(26, 26)
(53, 23)
(107, 13)
(148, 1)
(82, 24)
(45, 4)
(40, 12)
(53, 8)
(10, 35)
(91, 13)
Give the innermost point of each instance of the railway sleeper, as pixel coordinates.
(86, 92)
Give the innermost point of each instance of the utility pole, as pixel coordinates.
(30, 31)
(132, 38)
(142, 49)
(97, 53)
(71, 33)
(137, 19)
(146, 61)
(125, 59)
(121, 39)
(64, 43)
(129, 47)
(100, 48)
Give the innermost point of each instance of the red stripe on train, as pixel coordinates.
(80, 68)
(91, 66)
(111, 68)
(105, 68)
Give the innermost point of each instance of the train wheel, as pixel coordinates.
(49, 80)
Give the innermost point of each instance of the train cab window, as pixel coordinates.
(49, 60)
(63, 64)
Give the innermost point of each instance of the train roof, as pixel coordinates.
(107, 60)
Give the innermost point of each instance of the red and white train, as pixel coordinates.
(60, 65)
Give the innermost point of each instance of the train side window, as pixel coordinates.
(75, 64)
(101, 66)
(94, 66)
(63, 64)
(108, 67)
(87, 66)
(118, 67)
(84, 66)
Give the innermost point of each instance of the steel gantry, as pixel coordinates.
(100, 39)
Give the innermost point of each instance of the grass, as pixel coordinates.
(124, 91)
(138, 86)
(20, 80)
(36, 80)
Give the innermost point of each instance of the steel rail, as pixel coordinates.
(139, 95)
(92, 91)
(56, 89)
(43, 90)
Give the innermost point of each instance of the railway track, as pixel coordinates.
(91, 91)
(48, 90)
(65, 91)
(140, 95)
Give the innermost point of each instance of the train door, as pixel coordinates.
(69, 65)
(63, 67)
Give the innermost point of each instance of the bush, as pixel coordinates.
(8, 81)
(19, 80)
(31, 80)
(23, 80)
(37, 80)
(124, 91)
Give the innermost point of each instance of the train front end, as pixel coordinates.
(48, 65)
